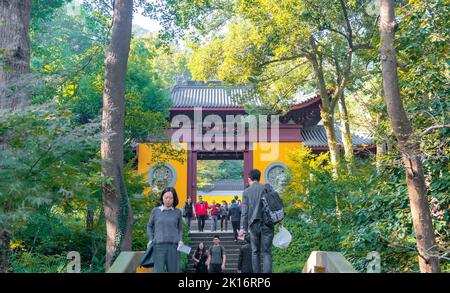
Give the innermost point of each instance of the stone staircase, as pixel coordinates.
(226, 240)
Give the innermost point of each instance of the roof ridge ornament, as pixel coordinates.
(182, 79)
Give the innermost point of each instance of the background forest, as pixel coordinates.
(51, 180)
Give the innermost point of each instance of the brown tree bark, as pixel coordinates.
(5, 238)
(14, 51)
(89, 219)
(345, 130)
(118, 213)
(327, 107)
(381, 148)
(409, 147)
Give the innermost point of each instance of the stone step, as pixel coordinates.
(211, 233)
(209, 241)
(227, 266)
(208, 225)
(228, 252)
(226, 240)
(230, 257)
(209, 237)
(227, 270)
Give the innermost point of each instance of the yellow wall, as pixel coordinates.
(262, 157)
(261, 160)
(144, 165)
(218, 198)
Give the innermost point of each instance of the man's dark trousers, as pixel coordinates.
(261, 236)
(201, 222)
(215, 268)
(235, 225)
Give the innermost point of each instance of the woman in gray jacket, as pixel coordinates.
(165, 229)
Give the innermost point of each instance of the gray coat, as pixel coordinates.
(251, 205)
(165, 226)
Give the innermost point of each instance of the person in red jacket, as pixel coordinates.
(201, 208)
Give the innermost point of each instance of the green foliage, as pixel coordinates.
(306, 237)
(38, 263)
(355, 214)
(210, 170)
(177, 16)
(274, 45)
(50, 191)
(52, 233)
(184, 257)
(49, 170)
(44, 150)
(50, 180)
(42, 10)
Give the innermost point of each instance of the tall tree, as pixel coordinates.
(14, 62)
(408, 144)
(118, 213)
(14, 51)
(288, 37)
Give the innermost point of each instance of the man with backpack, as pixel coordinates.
(216, 257)
(259, 208)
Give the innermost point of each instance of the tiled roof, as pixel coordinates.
(315, 136)
(198, 94)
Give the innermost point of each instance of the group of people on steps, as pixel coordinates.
(165, 231)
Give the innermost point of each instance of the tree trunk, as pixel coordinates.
(381, 152)
(118, 214)
(409, 148)
(381, 149)
(328, 124)
(345, 130)
(14, 51)
(89, 219)
(327, 109)
(5, 238)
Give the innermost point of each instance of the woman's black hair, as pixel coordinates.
(198, 248)
(174, 193)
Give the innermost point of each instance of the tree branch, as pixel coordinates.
(347, 25)
(283, 59)
(433, 128)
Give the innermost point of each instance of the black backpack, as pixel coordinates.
(272, 206)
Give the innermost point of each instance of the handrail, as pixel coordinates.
(327, 262)
(129, 262)
(318, 262)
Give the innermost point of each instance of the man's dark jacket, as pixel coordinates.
(251, 205)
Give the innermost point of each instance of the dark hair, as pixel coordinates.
(174, 193)
(198, 248)
(254, 175)
(236, 197)
(216, 236)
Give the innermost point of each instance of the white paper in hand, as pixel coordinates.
(184, 249)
